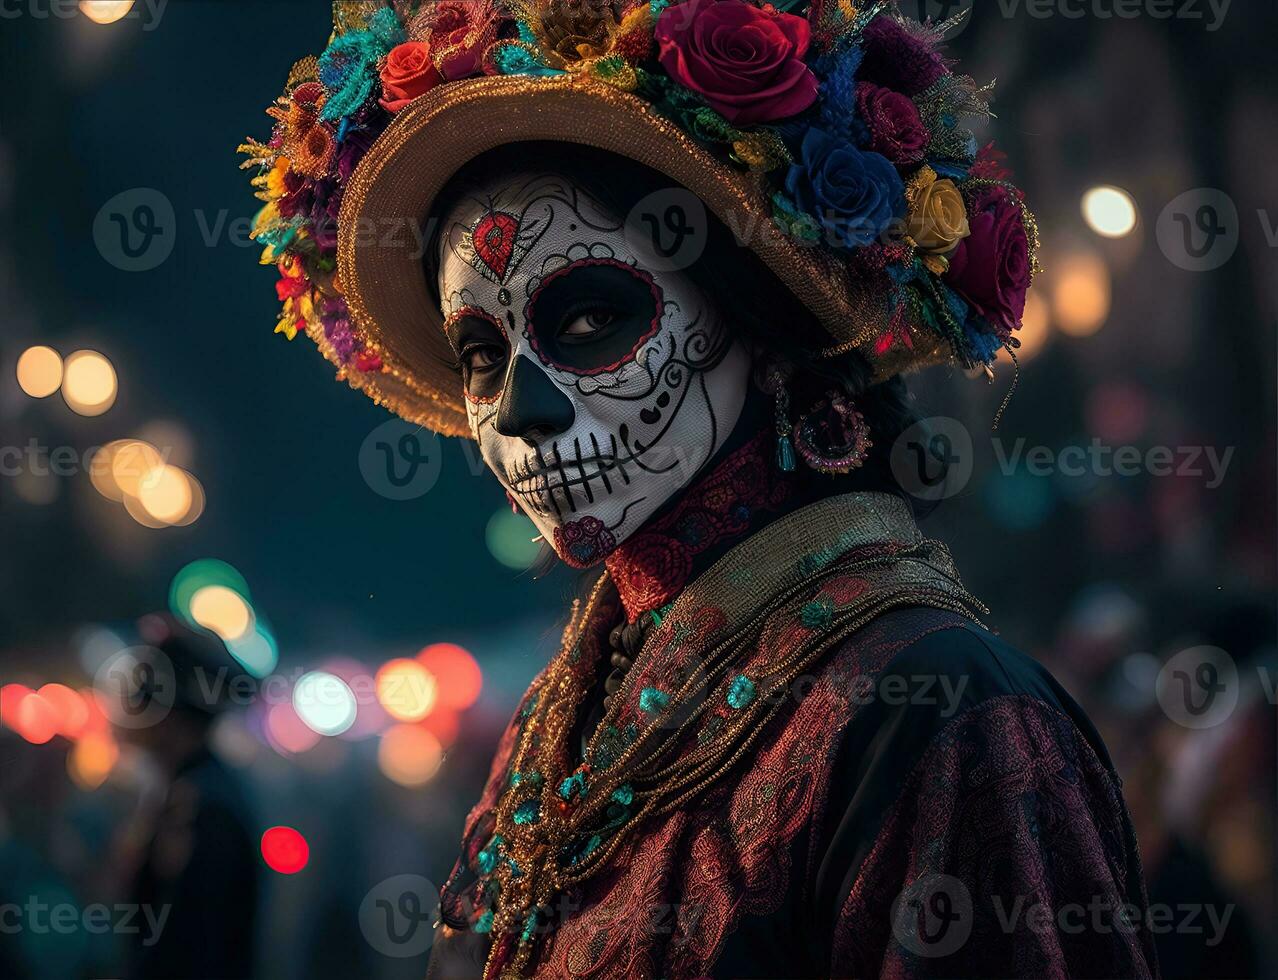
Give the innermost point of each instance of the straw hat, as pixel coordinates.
(832, 136)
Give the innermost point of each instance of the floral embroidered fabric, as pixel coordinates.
(841, 808)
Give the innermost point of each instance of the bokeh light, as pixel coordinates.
(324, 702)
(443, 724)
(1080, 294)
(39, 489)
(406, 689)
(106, 11)
(71, 709)
(370, 718)
(195, 503)
(256, 651)
(285, 850)
(286, 732)
(458, 678)
(91, 760)
(409, 755)
(35, 719)
(88, 383)
(165, 493)
(1109, 211)
(222, 610)
(510, 539)
(40, 371)
(198, 574)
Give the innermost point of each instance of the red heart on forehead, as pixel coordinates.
(494, 240)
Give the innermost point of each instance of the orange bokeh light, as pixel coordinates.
(92, 760)
(409, 755)
(406, 689)
(456, 672)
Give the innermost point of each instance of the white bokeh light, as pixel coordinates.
(324, 702)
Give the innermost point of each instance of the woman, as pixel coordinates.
(666, 263)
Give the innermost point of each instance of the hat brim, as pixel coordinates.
(386, 213)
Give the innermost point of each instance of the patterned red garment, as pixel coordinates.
(1010, 800)
(927, 802)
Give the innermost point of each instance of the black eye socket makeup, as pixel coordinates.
(482, 351)
(594, 315)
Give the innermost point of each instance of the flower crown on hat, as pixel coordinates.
(846, 110)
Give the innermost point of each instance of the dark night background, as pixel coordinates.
(1100, 576)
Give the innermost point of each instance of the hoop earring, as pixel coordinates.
(834, 436)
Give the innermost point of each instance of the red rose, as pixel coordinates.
(459, 33)
(746, 61)
(991, 267)
(408, 73)
(896, 128)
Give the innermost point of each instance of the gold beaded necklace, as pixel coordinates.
(694, 701)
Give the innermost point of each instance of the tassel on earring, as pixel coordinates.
(785, 448)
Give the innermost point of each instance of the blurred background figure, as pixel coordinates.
(189, 856)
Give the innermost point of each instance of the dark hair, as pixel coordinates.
(759, 306)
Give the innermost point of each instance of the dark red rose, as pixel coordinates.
(991, 267)
(408, 73)
(746, 61)
(460, 32)
(896, 128)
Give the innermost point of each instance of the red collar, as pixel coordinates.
(741, 493)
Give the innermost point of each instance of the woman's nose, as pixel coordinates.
(532, 406)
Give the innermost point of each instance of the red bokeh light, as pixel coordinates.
(285, 850)
(72, 713)
(456, 672)
(443, 724)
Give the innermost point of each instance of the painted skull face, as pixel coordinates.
(597, 381)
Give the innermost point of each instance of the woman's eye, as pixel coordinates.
(588, 324)
(481, 358)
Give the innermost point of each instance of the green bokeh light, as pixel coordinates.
(509, 537)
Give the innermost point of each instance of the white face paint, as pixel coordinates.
(597, 386)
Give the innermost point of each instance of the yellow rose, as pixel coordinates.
(938, 218)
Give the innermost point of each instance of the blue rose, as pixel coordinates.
(855, 195)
